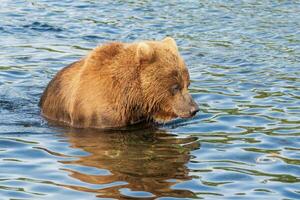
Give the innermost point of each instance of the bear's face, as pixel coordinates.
(165, 81)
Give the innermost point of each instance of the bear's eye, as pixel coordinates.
(175, 88)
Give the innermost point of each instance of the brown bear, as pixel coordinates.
(119, 84)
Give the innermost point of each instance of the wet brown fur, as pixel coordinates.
(117, 84)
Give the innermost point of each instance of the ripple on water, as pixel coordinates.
(11, 75)
(42, 27)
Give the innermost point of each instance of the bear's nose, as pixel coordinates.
(194, 110)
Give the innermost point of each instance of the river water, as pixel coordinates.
(243, 58)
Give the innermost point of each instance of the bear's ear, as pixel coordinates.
(171, 44)
(144, 52)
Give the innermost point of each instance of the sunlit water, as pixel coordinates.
(243, 58)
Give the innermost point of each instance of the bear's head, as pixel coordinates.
(164, 80)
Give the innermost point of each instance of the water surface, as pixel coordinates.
(243, 58)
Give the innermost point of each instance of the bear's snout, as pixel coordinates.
(194, 109)
(184, 106)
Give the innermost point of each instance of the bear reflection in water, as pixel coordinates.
(151, 161)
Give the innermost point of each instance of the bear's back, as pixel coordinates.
(56, 100)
